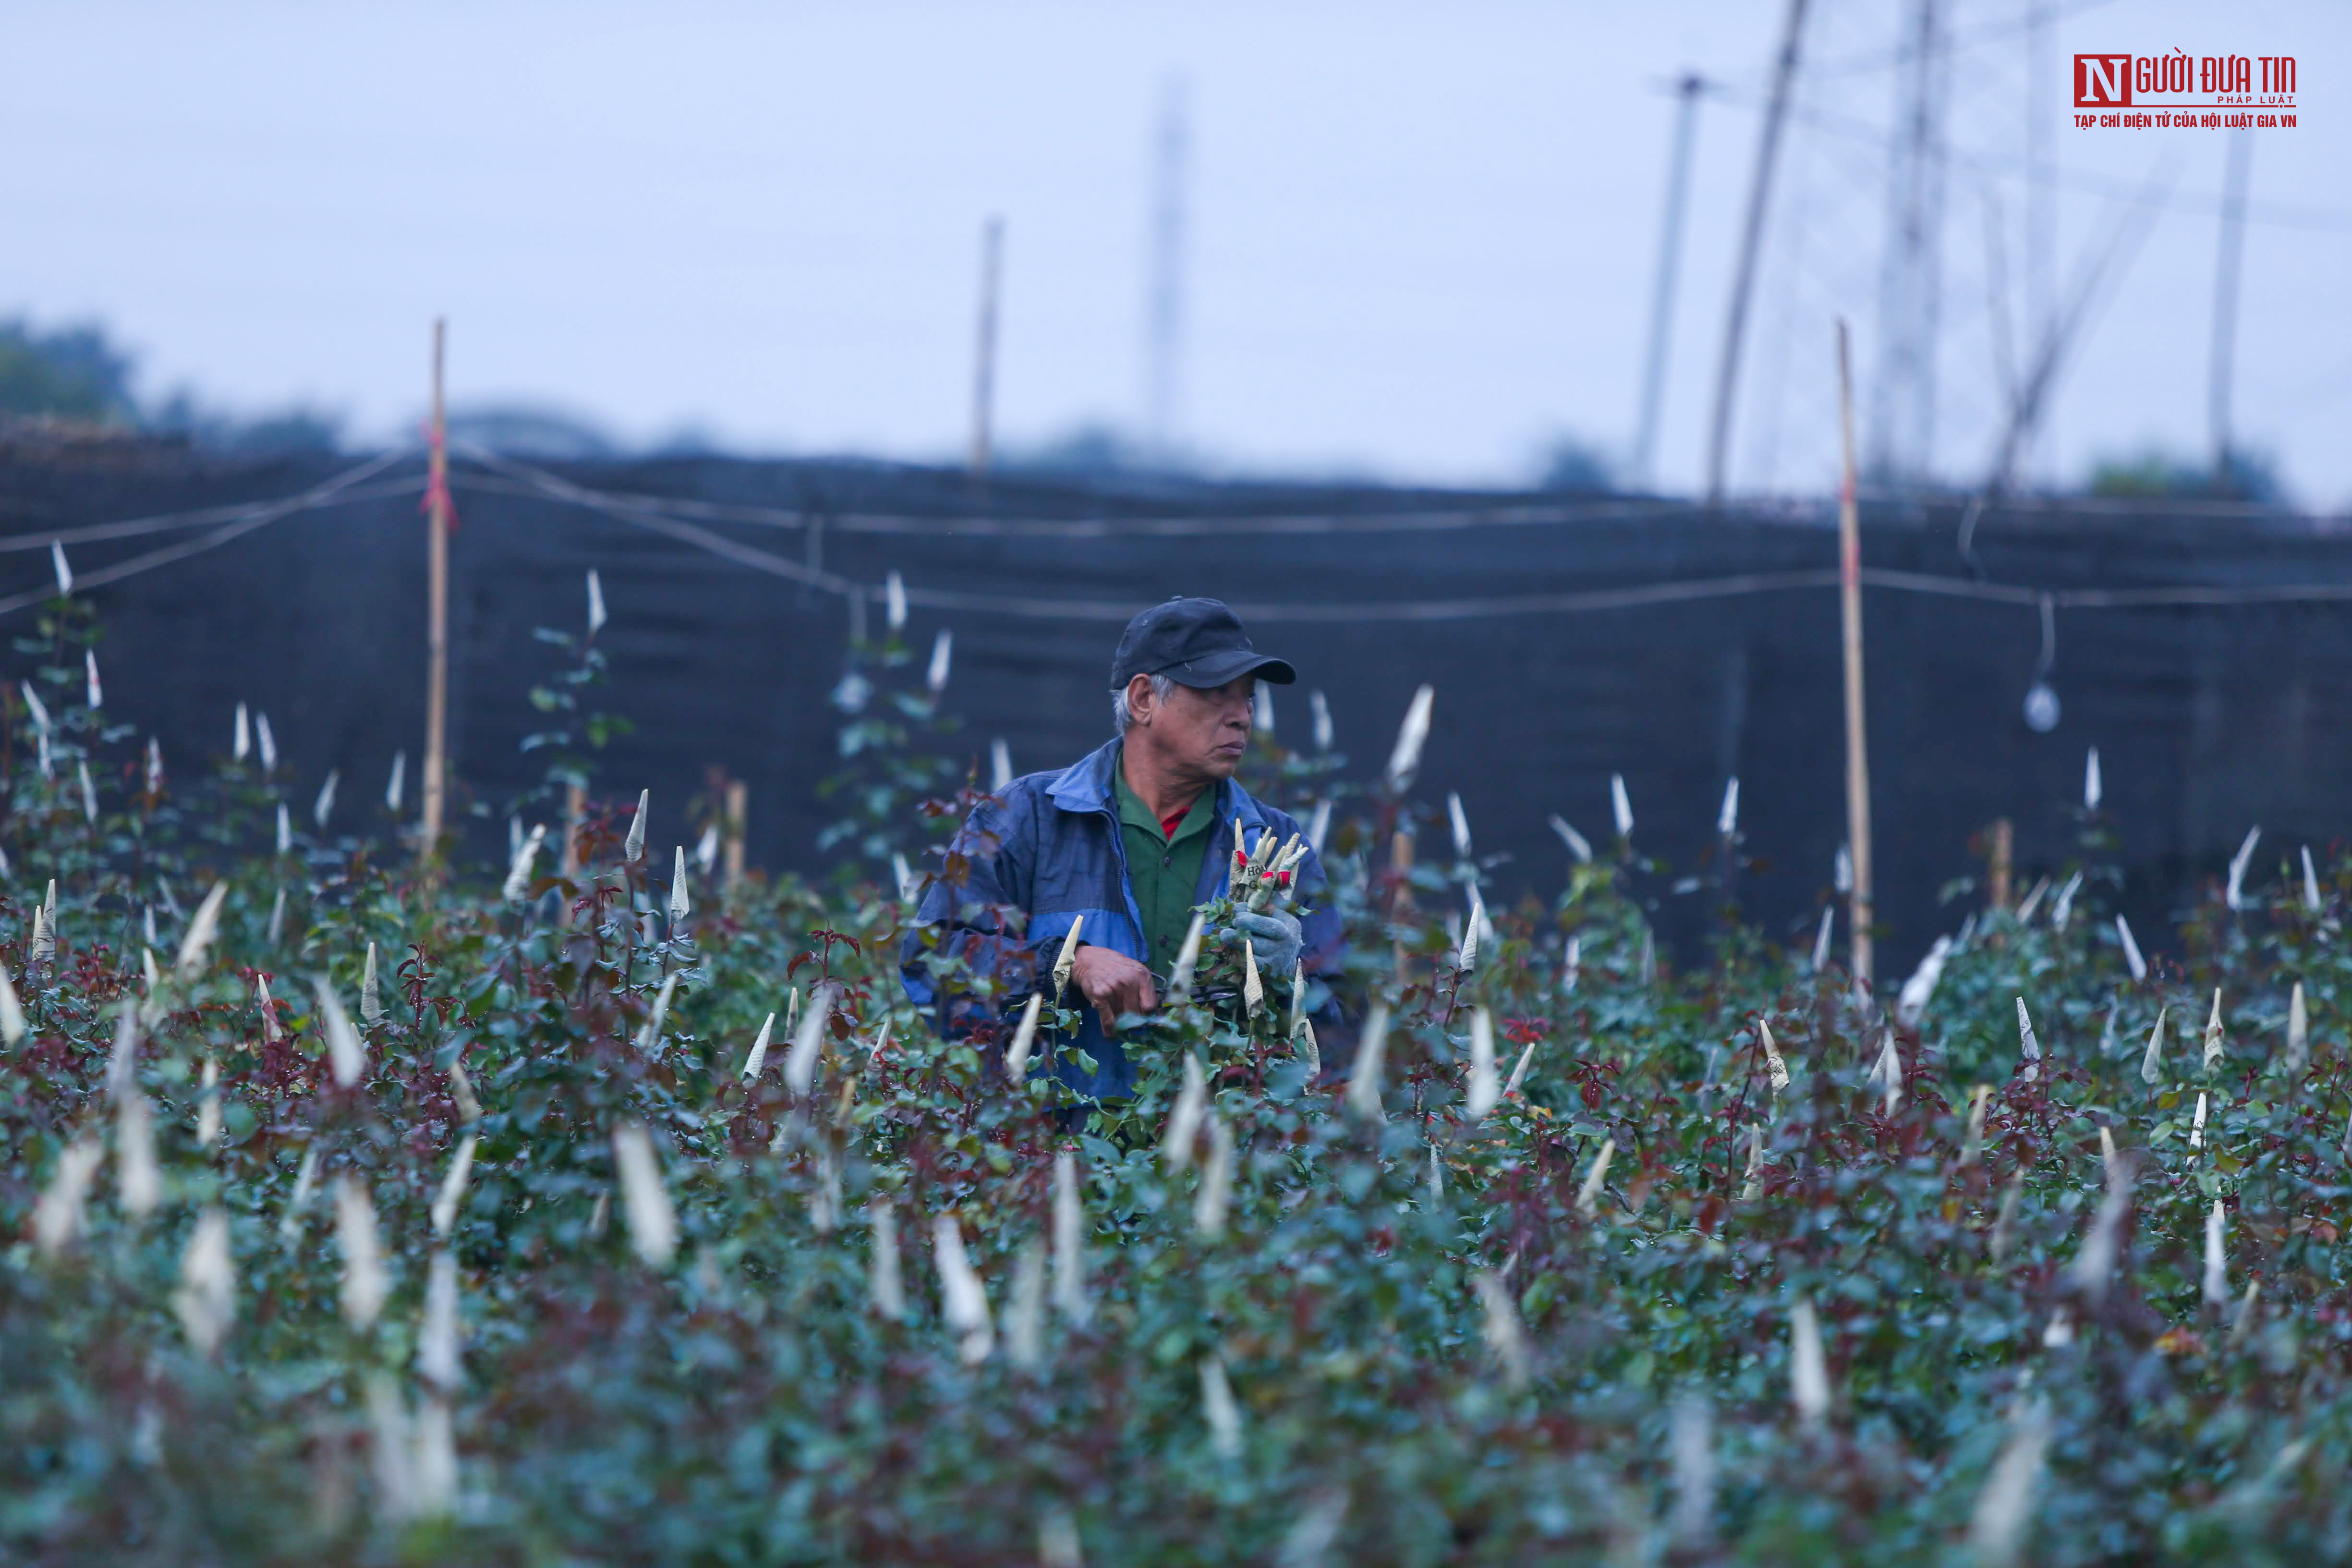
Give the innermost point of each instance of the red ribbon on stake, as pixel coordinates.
(437, 475)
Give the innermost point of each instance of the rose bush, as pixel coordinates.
(1904, 1306)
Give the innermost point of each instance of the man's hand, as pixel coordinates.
(1276, 940)
(1114, 983)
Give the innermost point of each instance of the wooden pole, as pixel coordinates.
(1857, 757)
(739, 804)
(983, 379)
(437, 568)
(1759, 193)
(2004, 849)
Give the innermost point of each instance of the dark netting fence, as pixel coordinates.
(2203, 651)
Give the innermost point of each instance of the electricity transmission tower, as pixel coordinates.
(1912, 176)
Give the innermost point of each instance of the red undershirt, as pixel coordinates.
(1170, 823)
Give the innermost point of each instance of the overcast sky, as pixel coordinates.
(1420, 236)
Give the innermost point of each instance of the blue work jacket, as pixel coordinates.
(1046, 850)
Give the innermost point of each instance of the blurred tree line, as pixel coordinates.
(2155, 475)
(72, 374)
(78, 376)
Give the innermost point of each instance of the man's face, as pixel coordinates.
(1202, 733)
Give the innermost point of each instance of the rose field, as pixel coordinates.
(593, 1206)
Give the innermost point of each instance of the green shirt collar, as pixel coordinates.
(1133, 812)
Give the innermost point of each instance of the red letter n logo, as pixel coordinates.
(2103, 81)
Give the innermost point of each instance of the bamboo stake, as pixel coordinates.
(1857, 758)
(2004, 849)
(1400, 900)
(437, 568)
(738, 802)
(575, 812)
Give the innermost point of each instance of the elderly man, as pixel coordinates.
(1125, 843)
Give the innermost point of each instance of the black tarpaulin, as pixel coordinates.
(1547, 626)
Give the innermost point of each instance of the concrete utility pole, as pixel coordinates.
(1164, 288)
(983, 376)
(1662, 295)
(2225, 297)
(1743, 284)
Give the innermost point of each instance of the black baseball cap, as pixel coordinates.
(1194, 642)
